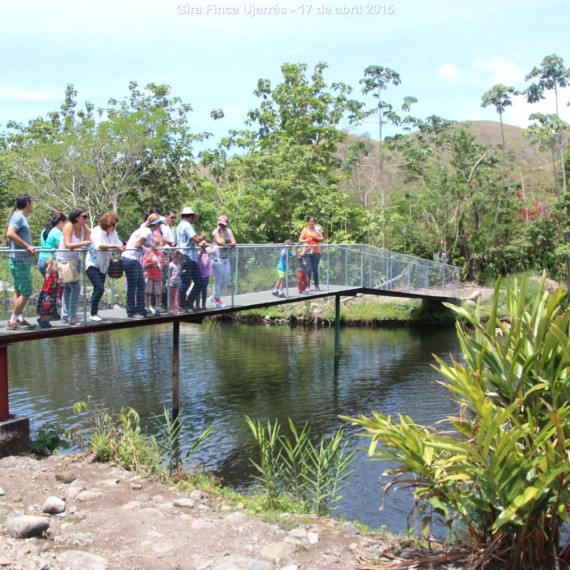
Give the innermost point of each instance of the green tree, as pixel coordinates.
(551, 74)
(500, 97)
(376, 80)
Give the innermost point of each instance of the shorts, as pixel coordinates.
(21, 271)
(152, 286)
(281, 274)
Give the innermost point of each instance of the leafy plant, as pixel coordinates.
(48, 440)
(501, 465)
(313, 475)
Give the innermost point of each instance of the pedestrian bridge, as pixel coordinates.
(345, 270)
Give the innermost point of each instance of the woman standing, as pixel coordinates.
(223, 237)
(49, 239)
(104, 239)
(312, 236)
(132, 257)
(75, 234)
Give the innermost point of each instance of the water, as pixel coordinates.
(228, 371)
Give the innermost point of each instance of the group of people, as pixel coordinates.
(148, 272)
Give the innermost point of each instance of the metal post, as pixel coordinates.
(175, 369)
(4, 401)
(286, 269)
(327, 248)
(84, 286)
(235, 280)
(336, 326)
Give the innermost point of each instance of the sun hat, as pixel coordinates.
(187, 211)
(153, 219)
(223, 220)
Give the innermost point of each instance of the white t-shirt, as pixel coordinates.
(103, 257)
(136, 254)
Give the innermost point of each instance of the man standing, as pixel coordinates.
(187, 241)
(21, 252)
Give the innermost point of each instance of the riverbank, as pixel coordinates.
(104, 517)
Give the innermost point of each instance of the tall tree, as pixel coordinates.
(500, 97)
(376, 80)
(551, 75)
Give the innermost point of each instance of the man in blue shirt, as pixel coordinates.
(187, 241)
(21, 252)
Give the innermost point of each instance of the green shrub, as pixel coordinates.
(501, 465)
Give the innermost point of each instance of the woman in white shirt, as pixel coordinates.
(131, 258)
(104, 241)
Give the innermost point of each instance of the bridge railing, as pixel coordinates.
(253, 269)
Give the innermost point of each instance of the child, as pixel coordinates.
(152, 261)
(205, 267)
(303, 271)
(47, 299)
(174, 273)
(285, 254)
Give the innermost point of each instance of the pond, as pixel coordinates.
(231, 370)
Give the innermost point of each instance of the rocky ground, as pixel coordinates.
(69, 512)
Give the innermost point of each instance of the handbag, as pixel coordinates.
(115, 270)
(68, 271)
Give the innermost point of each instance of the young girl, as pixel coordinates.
(302, 272)
(174, 273)
(205, 267)
(153, 260)
(47, 299)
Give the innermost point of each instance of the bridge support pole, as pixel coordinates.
(4, 401)
(336, 326)
(175, 369)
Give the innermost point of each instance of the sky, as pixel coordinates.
(212, 53)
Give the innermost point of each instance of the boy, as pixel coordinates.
(282, 264)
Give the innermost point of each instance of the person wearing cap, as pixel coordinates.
(223, 237)
(188, 241)
(140, 239)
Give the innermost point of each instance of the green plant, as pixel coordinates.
(48, 439)
(501, 466)
(313, 475)
(169, 430)
(118, 437)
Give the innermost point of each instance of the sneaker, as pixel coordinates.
(304, 293)
(211, 300)
(64, 319)
(44, 323)
(282, 296)
(159, 311)
(74, 322)
(152, 310)
(219, 304)
(26, 326)
(12, 325)
(275, 292)
(96, 318)
(307, 290)
(317, 288)
(138, 316)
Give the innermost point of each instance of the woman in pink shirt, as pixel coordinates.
(312, 237)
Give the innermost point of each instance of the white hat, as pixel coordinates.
(188, 211)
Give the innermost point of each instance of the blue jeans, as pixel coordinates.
(314, 260)
(70, 299)
(135, 286)
(98, 281)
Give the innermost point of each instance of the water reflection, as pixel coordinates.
(228, 371)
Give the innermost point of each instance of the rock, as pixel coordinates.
(277, 550)
(236, 519)
(198, 495)
(86, 496)
(242, 563)
(54, 506)
(26, 526)
(298, 533)
(79, 560)
(313, 537)
(184, 503)
(66, 477)
(2, 492)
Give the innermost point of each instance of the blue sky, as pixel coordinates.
(447, 52)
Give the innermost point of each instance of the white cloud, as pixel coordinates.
(501, 70)
(450, 72)
(8, 94)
